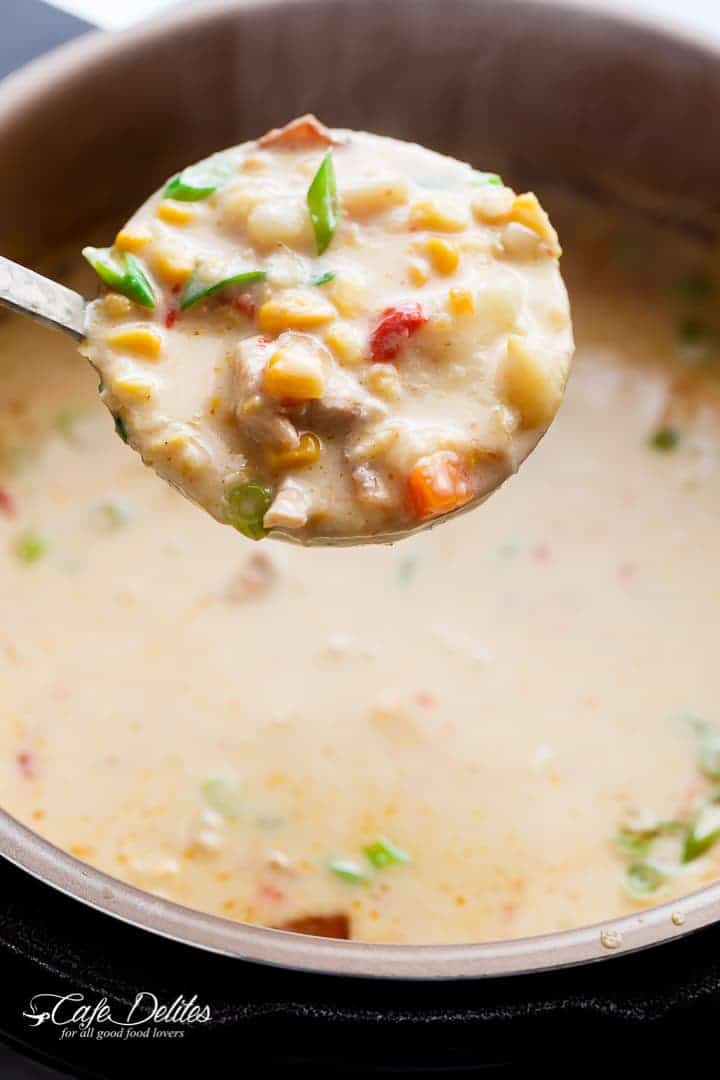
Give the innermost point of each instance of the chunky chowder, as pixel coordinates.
(308, 342)
(501, 727)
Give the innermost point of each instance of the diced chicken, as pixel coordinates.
(299, 134)
(289, 509)
(343, 402)
(258, 417)
(369, 487)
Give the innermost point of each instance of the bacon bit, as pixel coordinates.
(26, 764)
(541, 553)
(425, 699)
(7, 503)
(271, 892)
(627, 571)
(171, 317)
(329, 926)
(304, 131)
(395, 327)
(245, 304)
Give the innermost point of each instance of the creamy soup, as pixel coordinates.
(501, 727)
(332, 335)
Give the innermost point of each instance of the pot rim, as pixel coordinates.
(280, 948)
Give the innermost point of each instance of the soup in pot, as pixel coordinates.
(499, 728)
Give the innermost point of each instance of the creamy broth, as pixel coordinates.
(231, 726)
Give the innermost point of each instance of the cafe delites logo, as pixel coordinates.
(147, 1017)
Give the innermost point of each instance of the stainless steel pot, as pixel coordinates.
(541, 90)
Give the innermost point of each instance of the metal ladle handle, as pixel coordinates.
(42, 299)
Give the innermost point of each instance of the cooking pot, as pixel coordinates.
(543, 92)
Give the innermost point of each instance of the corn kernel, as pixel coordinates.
(295, 310)
(461, 301)
(174, 269)
(133, 389)
(346, 343)
(299, 457)
(132, 240)
(174, 213)
(116, 306)
(295, 374)
(444, 256)
(527, 211)
(435, 214)
(138, 341)
(418, 272)
(252, 406)
(532, 382)
(383, 380)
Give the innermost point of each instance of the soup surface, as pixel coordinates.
(495, 729)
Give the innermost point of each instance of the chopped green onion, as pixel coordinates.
(697, 285)
(635, 842)
(643, 878)
(222, 793)
(64, 423)
(30, 548)
(130, 281)
(197, 289)
(710, 757)
(384, 853)
(693, 331)
(323, 279)
(664, 439)
(698, 724)
(120, 428)
(114, 514)
(485, 178)
(198, 181)
(323, 203)
(349, 870)
(246, 505)
(703, 833)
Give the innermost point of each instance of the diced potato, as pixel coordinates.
(532, 382)
(346, 342)
(461, 302)
(144, 341)
(384, 381)
(527, 211)
(520, 242)
(492, 204)
(132, 240)
(301, 456)
(279, 221)
(376, 442)
(116, 306)
(440, 214)
(373, 195)
(133, 389)
(235, 204)
(184, 451)
(296, 309)
(295, 371)
(443, 254)
(497, 307)
(174, 267)
(174, 213)
(349, 294)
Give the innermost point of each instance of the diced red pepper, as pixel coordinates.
(26, 765)
(7, 503)
(305, 131)
(171, 317)
(395, 327)
(271, 892)
(245, 304)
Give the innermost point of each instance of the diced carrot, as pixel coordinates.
(304, 131)
(394, 328)
(438, 483)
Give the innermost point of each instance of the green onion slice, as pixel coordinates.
(198, 288)
(130, 280)
(348, 870)
(323, 203)
(199, 181)
(323, 279)
(482, 179)
(222, 793)
(384, 853)
(246, 505)
(664, 439)
(703, 833)
(637, 842)
(643, 878)
(30, 548)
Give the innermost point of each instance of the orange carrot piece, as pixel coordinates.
(437, 484)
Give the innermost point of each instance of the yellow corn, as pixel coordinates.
(138, 341)
(527, 211)
(174, 213)
(175, 270)
(295, 375)
(417, 272)
(383, 380)
(305, 453)
(461, 302)
(432, 214)
(296, 310)
(116, 305)
(346, 343)
(130, 389)
(444, 255)
(132, 240)
(252, 406)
